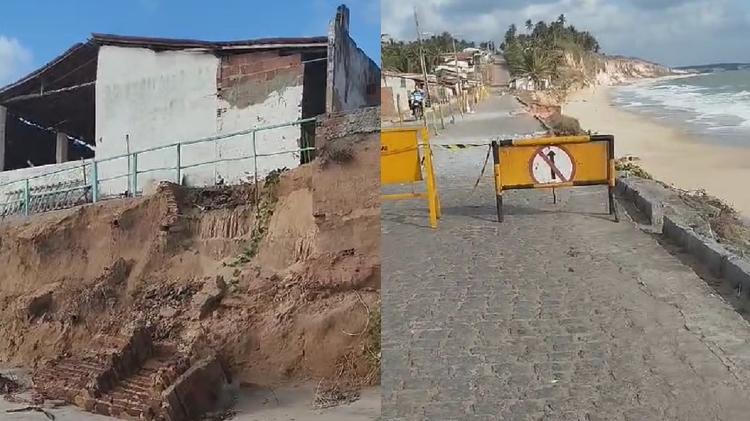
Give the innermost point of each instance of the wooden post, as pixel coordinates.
(442, 121)
(3, 123)
(398, 109)
(130, 166)
(61, 147)
(94, 181)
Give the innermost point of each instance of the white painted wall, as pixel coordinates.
(160, 98)
(154, 99)
(282, 106)
(395, 84)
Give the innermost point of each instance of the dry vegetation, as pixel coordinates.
(627, 165)
(724, 221)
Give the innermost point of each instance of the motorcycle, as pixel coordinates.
(417, 108)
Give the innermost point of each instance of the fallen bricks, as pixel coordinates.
(197, 391)
(8, 386)
(137, 380)
(673, 219)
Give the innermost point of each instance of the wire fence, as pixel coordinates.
(222, 159)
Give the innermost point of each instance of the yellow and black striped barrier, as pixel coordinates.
(462, 146)
(551, 162)
(404, 155)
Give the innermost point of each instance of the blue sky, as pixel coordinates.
(32, 32)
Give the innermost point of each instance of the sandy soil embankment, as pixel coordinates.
(666, 152)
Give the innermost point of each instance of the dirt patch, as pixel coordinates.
(338, 152)
(545, 107)
(265, 201)
(270, 279)
(220, 197)
(332, 394)
(563, 125)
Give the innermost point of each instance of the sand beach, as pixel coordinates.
(667, 152)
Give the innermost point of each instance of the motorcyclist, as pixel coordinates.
(417, 99)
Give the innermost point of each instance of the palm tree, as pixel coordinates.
(540, 30)
(510, 34)
(529, 25)
(533, 62)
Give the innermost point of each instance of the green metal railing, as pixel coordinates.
(28, 198)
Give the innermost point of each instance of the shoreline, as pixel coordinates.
(668, 153)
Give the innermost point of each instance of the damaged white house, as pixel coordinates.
(117, 95)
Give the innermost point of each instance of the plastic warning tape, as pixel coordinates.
(459, 146)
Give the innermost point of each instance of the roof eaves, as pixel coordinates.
(184, 44)
(38, 72)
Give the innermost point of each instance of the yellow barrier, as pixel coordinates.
(550, 162)
(402, 163)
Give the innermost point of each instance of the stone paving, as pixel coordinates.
(558, 313)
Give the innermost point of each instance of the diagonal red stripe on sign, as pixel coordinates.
(552, 165)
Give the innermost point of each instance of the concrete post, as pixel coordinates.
(61, 149)
(3, 120)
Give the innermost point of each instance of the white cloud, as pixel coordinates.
(14, 60)
(669, 31)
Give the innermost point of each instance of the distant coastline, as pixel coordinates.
(708, 68)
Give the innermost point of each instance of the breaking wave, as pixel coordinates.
(706, 105)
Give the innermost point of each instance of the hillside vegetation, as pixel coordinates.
(541, 52)
(403, 56)
(567, 57)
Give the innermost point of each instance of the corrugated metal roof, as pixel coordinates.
(183, 44)
(77, 49)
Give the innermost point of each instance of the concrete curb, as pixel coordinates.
(645, 202)
(708, 251)
(670, 223)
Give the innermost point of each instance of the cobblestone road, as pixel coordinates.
(556, 314)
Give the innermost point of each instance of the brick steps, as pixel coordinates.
(135, 397)
(67, 378)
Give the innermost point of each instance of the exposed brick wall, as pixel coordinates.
(248, 78)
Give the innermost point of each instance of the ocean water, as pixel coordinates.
(714, 106)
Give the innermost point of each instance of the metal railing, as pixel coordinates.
(35, 194)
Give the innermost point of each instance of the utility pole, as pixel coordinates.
(422, 63)
(458, 77)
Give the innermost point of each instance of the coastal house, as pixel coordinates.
(528, 84)
(395, 88)
(116, 95)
